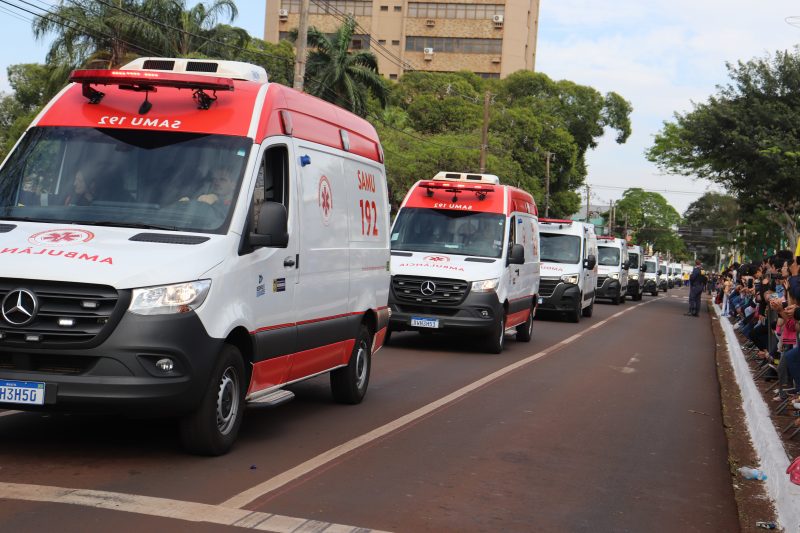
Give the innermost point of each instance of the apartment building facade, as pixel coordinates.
(492, 38)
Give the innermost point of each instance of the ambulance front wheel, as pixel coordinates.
(525, 330)
(588, 310)
(497, 337)
(212, 429)
(349, 384)
(575, 314)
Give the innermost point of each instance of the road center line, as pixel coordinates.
(248, 496)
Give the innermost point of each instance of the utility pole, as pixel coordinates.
(610, 216)
(587, 202)
(485, 131)
(302, 42)
(548, 155)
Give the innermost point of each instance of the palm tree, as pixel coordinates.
(340, 76)
(91, 30)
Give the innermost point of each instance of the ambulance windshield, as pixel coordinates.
(607, 256)
(559, 248)
(128, 178)
(633, 260)
(449, 232)
(651, 266)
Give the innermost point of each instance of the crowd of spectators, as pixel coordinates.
(761, 299)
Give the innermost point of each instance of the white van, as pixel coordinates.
(677, 275)
(569, 267)
(652, 278)
(663, 275)
(635, 272)
(612, 269)
(465, 259)
(181, 252)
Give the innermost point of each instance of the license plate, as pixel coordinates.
(422, 322)
(541, 300)
(28, 392)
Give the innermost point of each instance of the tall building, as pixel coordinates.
(492, 38)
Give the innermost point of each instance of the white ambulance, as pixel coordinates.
(612, 269)
(465, 259)
(652, 275)
(635, 272)
(179, 237)
(568, 254)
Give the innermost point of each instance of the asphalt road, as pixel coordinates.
(612, 424)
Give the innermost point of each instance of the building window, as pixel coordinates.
(395, 42)
(458, 45)
(381, 41)
(384, 8)
(334, 7)
(436, 10)
(392, 76)
(359, 41)
(398, 8)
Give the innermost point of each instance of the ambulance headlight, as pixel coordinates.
(486, 285)
(634, 276)
(614, 275)
(169, 299)
(570, 278)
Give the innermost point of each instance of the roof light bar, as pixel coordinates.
(555, 221)
(480, 190)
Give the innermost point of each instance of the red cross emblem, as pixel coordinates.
(436, 258)
(61, 237)
(325, 199)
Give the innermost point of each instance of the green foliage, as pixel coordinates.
(277, 59)
(745, 137)
(710, 222)
(652, 220)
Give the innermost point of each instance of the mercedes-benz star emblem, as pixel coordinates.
(427, 288)
(19, 307)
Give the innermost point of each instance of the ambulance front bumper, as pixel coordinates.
(476, 314)
(609, 289)
(565, 297)
(120, 374)
(650, 285)
(634, 287)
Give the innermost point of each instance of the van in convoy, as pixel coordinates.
(677, 273)
(179, 237)
(635, 272)
(568, 252)
(612, 269)
(652, 275)
(663, 275)
(465, 259)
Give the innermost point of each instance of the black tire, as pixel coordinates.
(622, 295)
(525, 330)
(588, 311)
(654, 293)
(496, 340)
(387, 337)
(575, 314)
(349, 384)
(637, 297)
(615, 300)
(213, 427)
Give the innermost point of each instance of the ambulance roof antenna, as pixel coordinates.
(146, 105)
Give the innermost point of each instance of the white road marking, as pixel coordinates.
(167, 508)
(248, 496)
(9, 413)
(623, 369)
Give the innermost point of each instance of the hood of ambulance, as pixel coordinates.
(606, 270)
(103, 255)
(450, 266)
(556, 270)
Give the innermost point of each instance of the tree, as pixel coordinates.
(709, 223)
(340, 76)
(651, 219)
(745, 138)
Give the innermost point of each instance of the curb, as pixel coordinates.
(768, 445)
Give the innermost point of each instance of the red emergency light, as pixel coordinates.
(606, 237)
(147, 81)
(480, 189)
(555, 221)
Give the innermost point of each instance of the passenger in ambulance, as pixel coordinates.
(83, 190)
(223, 187)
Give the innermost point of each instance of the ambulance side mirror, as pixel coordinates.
(643, 268)
(626, 265)
(590, 262)
(517, 255)
(272, 229)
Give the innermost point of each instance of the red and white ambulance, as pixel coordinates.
(179, 237)
(465, 258)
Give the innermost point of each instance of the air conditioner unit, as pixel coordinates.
(428, 52)
(495, 60)
(283, 14)
(498, 20)
(430, 23)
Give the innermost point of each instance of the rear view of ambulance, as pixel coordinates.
(568, 254)
(180, 237)
(612, 265)
(465, 259)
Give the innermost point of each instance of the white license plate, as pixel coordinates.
(541, 300)
(28, 392)
(422, 322)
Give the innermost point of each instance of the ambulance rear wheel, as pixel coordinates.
(638, 296)
(349, 384)
(497, 337)
(525, 330)
(212, 429)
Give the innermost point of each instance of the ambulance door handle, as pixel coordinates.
(288, 262)
(517, 271)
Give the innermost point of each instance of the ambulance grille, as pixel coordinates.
(417, 290)
(69, 314)
(547, 286)
(158, 64)
(201, 66)
(601, 280)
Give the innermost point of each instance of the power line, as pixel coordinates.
(695, 193)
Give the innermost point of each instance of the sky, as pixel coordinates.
(661, 56)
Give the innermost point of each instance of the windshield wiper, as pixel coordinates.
(30, 219)
(138, 225)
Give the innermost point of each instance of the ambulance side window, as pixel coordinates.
(272, 182)
(512, 233)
